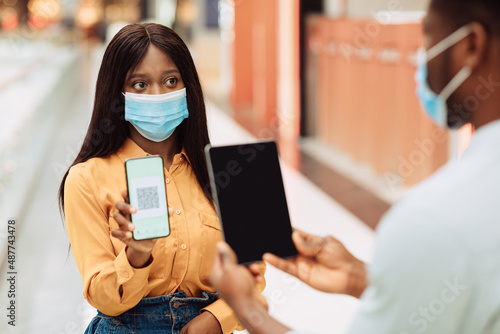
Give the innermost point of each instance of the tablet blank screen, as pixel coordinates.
(251, 200)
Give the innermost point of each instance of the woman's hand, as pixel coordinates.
(324, 264)
(204, 323)
(138, 252)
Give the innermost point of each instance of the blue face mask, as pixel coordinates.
(434, 104)
(156, 116)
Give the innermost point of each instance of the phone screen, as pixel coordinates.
(147, 193)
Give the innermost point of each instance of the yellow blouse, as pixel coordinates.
(181, 262)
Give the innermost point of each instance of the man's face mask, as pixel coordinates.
(434, 104)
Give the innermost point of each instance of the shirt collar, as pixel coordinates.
(130, 149)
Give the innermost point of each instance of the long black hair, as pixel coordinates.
(108, 129)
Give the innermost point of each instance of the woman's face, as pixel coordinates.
(155, 74)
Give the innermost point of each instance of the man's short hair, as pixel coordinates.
(461, 12)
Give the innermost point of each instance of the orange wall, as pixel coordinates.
(289, 69)
(264, 59)
(256, 63)
(241, 93)
(367, 106)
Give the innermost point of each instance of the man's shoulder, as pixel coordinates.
(454, 211)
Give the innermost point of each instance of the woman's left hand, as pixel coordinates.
(203, 323)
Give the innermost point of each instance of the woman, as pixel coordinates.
(158, 285)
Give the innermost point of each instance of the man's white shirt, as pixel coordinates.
(436, 268)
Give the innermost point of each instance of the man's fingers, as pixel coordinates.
(217, 267)
(218, 260)
(306, 236)
(306, 246)
(226, 254)
(302, 233)
(288, 266)
(171, 211)
(255, 270)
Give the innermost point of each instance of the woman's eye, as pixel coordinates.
(171, 81)
(139, 85)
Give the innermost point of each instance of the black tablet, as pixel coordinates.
(247, 187)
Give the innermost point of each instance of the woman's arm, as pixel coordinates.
(111, 283)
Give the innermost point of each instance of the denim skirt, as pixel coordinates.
(163, 314)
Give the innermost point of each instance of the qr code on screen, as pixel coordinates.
(148, 198)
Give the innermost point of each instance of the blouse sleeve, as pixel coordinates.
(111, 284)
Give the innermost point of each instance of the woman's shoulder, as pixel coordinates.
(88, 170)
(90, 164)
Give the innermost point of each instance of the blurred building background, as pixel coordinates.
(330, 80)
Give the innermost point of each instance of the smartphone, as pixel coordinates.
(147, 193)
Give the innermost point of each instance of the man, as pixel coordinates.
(437, 262)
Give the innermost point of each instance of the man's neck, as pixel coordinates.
(487, 115)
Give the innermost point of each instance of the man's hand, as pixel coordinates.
(237, 286)
(232, 280)
(324, 264)
(204, 323)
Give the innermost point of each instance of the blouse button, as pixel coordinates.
(167, 180)
(178, 211)
(183, 246)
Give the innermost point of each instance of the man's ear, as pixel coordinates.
(475, 47)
